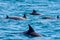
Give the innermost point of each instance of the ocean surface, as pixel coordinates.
(49, 28)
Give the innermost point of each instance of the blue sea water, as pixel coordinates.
(49, 28)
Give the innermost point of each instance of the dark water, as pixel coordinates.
(50, 29)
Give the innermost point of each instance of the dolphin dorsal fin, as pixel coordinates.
(57, 17)
(30, 28)
(34, 11)
(24, 16)
(7, 16)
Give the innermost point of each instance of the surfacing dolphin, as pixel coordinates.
(34, 13)
(16, 17)
(31, 32)
(46, 17)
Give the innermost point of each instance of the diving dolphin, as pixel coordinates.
(34, 13)
(16, 18)
(31, 32)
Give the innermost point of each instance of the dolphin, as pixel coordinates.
(16, 18)
(31, 32)
(34, 13)
(46, 17)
